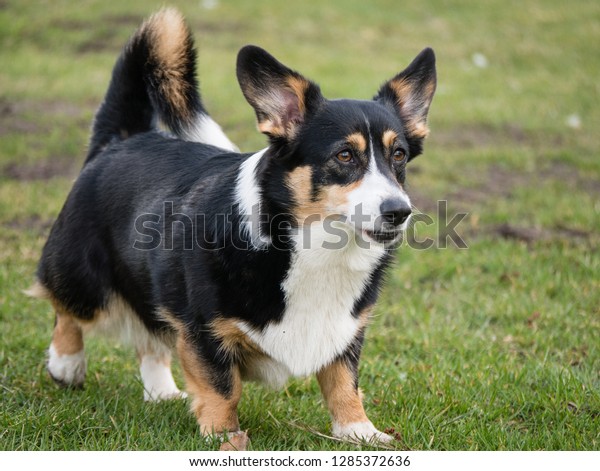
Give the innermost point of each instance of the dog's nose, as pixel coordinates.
(394, 211)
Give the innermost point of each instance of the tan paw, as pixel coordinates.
(235, 441)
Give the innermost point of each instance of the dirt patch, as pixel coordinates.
(495, 183)
(111, 20)
(123, 20)
(570, 176)
(32, 117)
(44, 170)
(424, 203)
(485, 135)
(218, 27)
(491, 183)
(525, 234)
(107, 32)
(12, 122)
(498, 182)
(110, 37)
(535, 234)
(5, 107)
(103, 41)
(31, 223)
(53, 108)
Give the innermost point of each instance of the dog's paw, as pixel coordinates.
(157, 379)
(157, 395)
(361, 432)
(235, 441)
(227, 441)
(66, 370)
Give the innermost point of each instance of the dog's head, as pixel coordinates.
(342, 159)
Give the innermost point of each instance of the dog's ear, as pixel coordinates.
(282, 98)
(410, 94)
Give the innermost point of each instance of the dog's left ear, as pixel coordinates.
(282, 98)
(410, 94)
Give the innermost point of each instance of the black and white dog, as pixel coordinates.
(255, 266)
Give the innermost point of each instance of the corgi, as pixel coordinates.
(250, 266)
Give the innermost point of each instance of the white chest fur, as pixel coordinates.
(321, 287)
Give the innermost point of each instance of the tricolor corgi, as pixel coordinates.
(251, 266)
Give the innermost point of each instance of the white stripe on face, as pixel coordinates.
(364, 203)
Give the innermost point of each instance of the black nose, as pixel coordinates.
(394, 211)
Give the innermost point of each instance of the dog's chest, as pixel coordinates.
(320, 289)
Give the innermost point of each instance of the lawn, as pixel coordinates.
(495, 346)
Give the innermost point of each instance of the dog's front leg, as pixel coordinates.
(215, 392)
(339, 385)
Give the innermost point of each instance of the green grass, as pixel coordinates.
(494, 347)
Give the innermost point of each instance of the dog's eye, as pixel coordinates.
(399, 155)
(344, 156)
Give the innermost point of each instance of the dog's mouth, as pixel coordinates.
(383, 237)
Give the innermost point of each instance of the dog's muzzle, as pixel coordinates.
(394, 214)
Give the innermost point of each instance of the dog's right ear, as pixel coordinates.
(282, 98)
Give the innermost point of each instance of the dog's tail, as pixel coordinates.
(154, 80)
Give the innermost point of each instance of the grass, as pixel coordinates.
(494, 347)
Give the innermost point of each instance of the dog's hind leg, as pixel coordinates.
(117, 319)
(66, 359)
(155, 369)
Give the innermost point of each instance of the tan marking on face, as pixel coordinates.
(358, 141)
(332, 200)
(214, 412)
(299, 181)
(343, 399)
(388, 138)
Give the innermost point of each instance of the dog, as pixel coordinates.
(252, 266)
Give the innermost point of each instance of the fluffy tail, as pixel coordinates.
(154, 80)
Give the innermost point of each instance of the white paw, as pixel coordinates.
(159, 384)
(360, 431)
(157, 396)
(67, 370)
